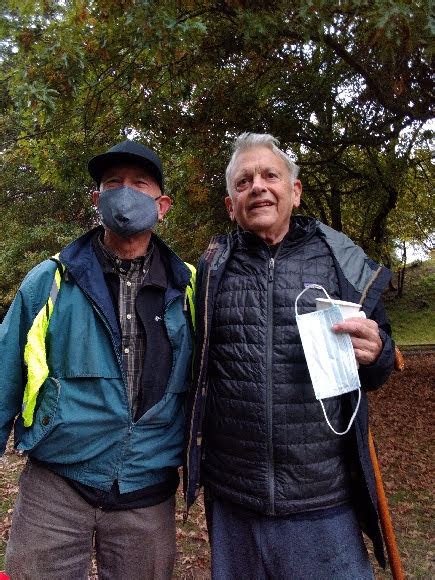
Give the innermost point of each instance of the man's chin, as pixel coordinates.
(261, 225)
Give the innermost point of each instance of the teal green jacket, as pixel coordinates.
(82, 426)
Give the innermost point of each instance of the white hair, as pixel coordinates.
(249, 141)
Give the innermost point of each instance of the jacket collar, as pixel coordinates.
(79, 256)
(221, 246)
(301, 228)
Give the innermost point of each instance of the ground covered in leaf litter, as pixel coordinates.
(401, 421)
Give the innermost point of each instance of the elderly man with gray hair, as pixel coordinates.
(95, 355)
(281, 451)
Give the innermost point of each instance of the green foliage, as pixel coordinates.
(22, 248)
(36, 221)
(345, 86)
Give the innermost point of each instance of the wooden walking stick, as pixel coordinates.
(384, 512)
(385, 517)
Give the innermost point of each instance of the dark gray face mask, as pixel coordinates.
(127, 211)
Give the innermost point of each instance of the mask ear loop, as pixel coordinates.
(351, 419)
(318, 287)
(309, 287)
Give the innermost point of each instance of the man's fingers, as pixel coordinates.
(361, 327)
(366, 351)
(365, 338)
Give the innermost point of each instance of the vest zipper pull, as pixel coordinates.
(271, 268)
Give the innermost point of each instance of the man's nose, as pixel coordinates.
(258, 184)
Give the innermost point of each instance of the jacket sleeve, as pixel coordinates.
(374, 375)
(13, 336)
(30, 298)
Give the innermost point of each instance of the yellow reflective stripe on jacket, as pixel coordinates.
(190, 292)
(35, 355)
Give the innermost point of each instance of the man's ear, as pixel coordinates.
(229, 206)
(297, 193)
(95, 197)
(164, 204)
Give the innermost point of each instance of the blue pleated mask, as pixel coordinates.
(127, 211)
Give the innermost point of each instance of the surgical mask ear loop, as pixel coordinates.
(309, 287)
(318, 287)
(351, 419)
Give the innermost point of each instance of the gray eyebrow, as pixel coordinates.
(249, 171)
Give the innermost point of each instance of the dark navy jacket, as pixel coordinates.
(360, 280)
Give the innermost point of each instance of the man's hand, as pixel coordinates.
(364, 334)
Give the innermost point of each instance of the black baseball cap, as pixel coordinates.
(128, 151)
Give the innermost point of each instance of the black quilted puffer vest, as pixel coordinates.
(267, 445)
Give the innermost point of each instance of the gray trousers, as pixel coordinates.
(54, 529)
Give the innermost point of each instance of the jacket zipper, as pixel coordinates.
(200, 391)
(269, 385)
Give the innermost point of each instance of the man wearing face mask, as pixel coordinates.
(95, 353)
(288, 479)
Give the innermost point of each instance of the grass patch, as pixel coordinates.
(418, 328)
(413, 315)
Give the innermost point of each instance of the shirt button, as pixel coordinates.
(128, 283)
(126, 350)
(128, 316)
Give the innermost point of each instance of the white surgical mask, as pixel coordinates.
(330, 356)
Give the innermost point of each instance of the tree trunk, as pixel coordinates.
(401, 277)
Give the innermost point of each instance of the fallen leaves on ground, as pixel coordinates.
(402, 419)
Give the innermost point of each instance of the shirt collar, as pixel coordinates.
(110, 263)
